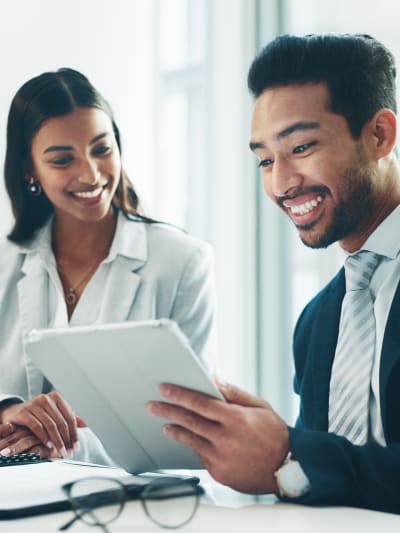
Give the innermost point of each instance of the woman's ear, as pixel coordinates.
(382, 129)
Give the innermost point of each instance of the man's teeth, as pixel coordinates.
(89, 194)
(305, 208)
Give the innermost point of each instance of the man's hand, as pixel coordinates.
(241, 442)
(16, 439)
(49, 418)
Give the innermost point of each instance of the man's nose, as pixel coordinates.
(285, 178)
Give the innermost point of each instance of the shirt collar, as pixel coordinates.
(385, 239)
(130, 241)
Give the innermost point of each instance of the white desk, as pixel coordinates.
(275, 518)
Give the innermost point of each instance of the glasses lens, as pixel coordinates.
(97, 501)
(170, 503)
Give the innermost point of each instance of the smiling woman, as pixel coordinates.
(80, 252)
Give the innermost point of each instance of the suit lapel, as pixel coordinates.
(120, 291)
(129, 250)
(324, 340)
(389, 359)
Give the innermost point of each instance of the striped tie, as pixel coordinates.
(352, 366)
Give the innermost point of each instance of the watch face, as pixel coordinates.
(292, 481)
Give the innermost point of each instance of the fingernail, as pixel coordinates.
(167, 431)
(77, 446)
(151, 408)
(63, 452)
(165, 390)
(70, 454)
(219, 381)
(49, 444)
(6, 452)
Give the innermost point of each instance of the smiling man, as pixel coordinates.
(324, 132)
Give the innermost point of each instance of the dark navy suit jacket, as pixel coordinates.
(341, 473)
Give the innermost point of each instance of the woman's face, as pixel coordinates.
(77, 162)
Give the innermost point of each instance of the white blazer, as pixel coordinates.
(158, 272)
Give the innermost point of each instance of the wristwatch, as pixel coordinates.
(291, 479)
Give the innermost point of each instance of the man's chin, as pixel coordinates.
(315, 239)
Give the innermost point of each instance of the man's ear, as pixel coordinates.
(381, 130)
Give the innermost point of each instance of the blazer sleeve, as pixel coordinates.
(341, 473)
(194, 307)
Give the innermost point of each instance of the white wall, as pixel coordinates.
(109, 42)
(232, 187)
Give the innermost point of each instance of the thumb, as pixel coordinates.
(233, 394)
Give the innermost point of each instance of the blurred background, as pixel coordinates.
(175, 72)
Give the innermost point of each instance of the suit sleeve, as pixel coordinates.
(194, 307)
(341, 473)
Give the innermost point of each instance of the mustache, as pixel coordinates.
(300, 191)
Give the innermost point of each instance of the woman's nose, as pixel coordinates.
(89, 173)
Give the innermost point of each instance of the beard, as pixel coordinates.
(349, 213)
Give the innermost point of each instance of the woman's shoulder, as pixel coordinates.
(10, 259)
(163, 236)
(173, 234)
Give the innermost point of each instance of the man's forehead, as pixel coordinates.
(281, 110)
(291, 97)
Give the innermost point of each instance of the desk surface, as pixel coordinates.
(273, 518)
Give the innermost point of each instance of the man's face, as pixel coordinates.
(312, 167)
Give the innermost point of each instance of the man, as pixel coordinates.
(324, 131)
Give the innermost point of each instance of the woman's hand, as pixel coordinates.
(16, 439)
(50, 418)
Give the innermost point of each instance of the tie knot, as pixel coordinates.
(359, 269)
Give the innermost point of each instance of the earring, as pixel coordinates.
(34, 187)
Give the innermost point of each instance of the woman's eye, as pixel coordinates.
(264, 163)
(303, 147)
(101, 150)
(62, 161)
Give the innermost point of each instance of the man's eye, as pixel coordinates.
(264, 163)
(303, 147)
(62, 161)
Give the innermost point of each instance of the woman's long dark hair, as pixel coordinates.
(52, 94)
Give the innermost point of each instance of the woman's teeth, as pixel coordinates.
(89, 194)
(305, 208)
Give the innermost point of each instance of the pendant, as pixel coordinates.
(70, 297)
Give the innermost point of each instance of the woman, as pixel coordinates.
(79, 252)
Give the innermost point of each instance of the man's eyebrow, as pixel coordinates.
(296, 127)
(59, 148)
(256, 145)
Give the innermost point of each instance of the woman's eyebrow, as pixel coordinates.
(60, 148)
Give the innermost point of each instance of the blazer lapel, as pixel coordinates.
(324, 340)
(390, 358)
(129, 250)
(32, 300)
(120, 291)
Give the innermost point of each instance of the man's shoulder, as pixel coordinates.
(334, 288)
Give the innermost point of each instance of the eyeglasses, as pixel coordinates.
(170, 503)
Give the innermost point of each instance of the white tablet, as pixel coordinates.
(108, 373)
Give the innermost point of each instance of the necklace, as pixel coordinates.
(70, 293)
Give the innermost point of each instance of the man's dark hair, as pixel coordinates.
(357, 69)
